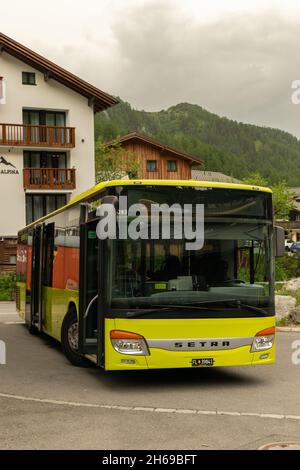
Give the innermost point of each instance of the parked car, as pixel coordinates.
(295, 248)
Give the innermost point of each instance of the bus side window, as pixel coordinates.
(48, 255)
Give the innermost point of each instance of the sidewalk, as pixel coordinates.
(7, 307)
(294, 329)
(8, 313)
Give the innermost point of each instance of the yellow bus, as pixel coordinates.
(152, 303)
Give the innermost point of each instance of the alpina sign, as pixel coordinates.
(7, 168)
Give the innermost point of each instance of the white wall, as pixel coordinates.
(49, 95)
(12, 198)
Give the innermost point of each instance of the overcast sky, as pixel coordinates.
(237, 58)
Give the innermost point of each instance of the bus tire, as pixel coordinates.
(68, 341)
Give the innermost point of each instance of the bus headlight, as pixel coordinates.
(125, 342)
(264, 339)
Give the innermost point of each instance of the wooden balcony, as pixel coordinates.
(49, 178)
(25, 135)
(289, 225)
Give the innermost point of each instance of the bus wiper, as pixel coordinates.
(202, 305)
(236, 303)
(249, 307)
(171, 307)
(146, 311)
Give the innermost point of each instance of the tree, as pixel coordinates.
(283, 198)
(114, 162)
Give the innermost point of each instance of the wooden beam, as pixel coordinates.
(47, 76)
(91, 101)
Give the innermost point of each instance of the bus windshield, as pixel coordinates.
(230, 273)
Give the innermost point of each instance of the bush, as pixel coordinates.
(287, 267)
(7, 286)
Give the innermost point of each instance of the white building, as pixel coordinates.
(46, 138)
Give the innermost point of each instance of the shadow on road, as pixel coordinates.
(177, 378)
(151, 379)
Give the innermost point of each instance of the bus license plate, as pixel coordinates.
(205, 361)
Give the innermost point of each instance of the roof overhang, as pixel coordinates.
(98, 99)
(135, 136)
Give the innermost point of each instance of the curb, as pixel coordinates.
(293, 329)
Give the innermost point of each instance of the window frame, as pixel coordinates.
(26, 78)
(28, 158)
(149, 169)
(42, 117)
(169, 170)
(44, 204)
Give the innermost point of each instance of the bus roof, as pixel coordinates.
(106, 184)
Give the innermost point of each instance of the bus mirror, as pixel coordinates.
(84, 209)
(87, 211)
(279, 248)
(110, 200)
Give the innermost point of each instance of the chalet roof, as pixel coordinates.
(200, 175)
(99, 99)
(137, 137)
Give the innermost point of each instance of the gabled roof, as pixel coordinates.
(99, 99)
(135, 137)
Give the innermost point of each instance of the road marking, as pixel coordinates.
(150, 409)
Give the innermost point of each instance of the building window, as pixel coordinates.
(171, 165)
(45, 159)
(38, 205)
(44, 118)
(2, 91)
(28, 78)
(151, 165)
(12, 259)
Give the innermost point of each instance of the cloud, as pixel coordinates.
(241, 67)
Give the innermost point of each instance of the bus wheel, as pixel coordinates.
(69, 340)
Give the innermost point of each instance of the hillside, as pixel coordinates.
(227, 146)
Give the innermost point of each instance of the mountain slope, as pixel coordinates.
(227, 146)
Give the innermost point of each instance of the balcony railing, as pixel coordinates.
(289, 225)
(25, 135)
(49, 178)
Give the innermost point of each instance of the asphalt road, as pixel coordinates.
(47, 403)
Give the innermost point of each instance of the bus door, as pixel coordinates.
(36, 279)
(91, 324)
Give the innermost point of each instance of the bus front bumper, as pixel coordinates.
(162, 353)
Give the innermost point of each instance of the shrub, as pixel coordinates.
(7, 286)
(287, 267)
